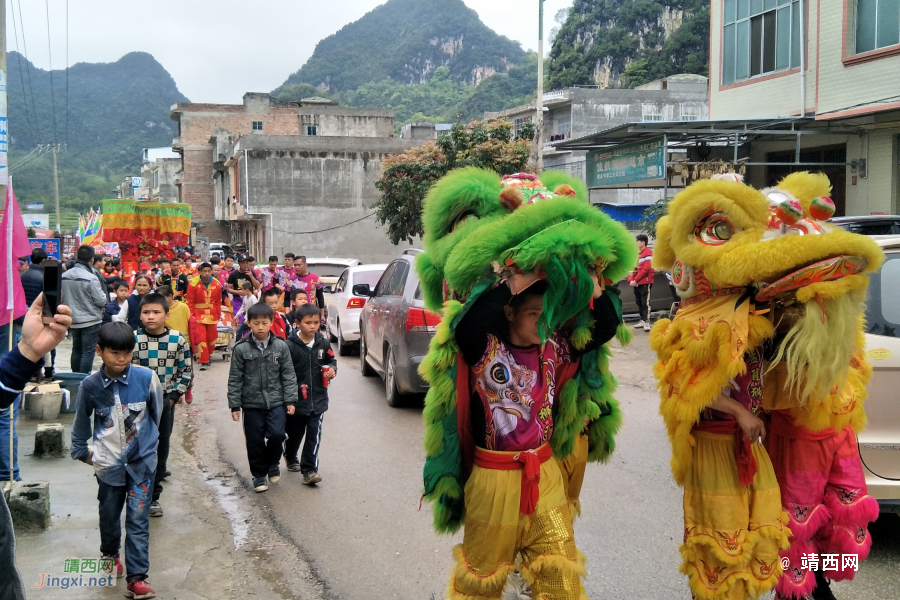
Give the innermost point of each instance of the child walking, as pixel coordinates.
(314, 365)
(263, 386)
(121, 441)
(272, 297)
(117, 309)
(166, 352)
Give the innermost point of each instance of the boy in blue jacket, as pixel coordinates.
(116, 430)
(117, 310)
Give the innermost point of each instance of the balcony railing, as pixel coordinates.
(555, 95)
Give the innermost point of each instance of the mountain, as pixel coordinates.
(625, 43)
(113, 110)
(405, 41)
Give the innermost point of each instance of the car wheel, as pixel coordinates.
(364, 367)
(391, 394)
(344, 347)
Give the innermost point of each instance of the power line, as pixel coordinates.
(37, 121)
(322, 230)
(50, 56)
(22, 77)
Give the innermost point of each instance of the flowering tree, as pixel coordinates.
(408, 176)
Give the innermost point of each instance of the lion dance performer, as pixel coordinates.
(723, 241)
(518, 370)
(204, 298)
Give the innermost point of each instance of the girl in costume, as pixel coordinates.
(511, 385)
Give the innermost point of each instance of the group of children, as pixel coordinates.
(125, 411)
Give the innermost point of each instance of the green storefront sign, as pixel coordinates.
(628, 163)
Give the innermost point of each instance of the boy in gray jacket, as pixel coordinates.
(263, 385)
(83, 293)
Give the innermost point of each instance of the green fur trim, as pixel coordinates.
(623, 334)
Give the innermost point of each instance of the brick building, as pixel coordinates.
(254, 173)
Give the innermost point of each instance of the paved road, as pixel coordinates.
(363, 536)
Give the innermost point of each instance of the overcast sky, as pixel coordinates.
(218, 49)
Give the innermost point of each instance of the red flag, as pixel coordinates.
(14, 244)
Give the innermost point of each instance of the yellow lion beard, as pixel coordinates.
(819, 344)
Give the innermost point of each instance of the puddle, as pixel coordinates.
(229, 503)
(225, 495)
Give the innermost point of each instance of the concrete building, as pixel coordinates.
(424, 131)
(342, 149)
(578, 111)
(158, 173)
(260, 176)
(839, 71)
(276, 189)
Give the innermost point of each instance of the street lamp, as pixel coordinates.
(539, 101)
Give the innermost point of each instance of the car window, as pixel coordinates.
(874, 228)
(341, 283)
(383, 284)
(326, 269)
(398, 281)
(883, 309)
(370, 277)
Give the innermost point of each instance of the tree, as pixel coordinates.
(408, 176)
(652, 215)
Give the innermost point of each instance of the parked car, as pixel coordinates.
(343, 307)
(879, 443)
(870, 224)
(220, 249)
(329, 269)
(395, 329)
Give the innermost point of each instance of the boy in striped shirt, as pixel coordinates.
(166, 352)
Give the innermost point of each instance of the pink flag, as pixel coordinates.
(13, 244)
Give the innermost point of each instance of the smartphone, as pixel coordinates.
(52, 289)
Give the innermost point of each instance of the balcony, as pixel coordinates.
(235, 210)
(177, 145)
(556, 96)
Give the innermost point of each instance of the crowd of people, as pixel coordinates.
(150, 330)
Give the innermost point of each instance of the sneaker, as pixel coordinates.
(311, 478)
(138, 589)
(168, 473)
(118, 569)
(259, 484)
(294, 466)
(204, 367)
(646, 326)
(638, 325)
(155, 509)
(521, 587)
(274, 474)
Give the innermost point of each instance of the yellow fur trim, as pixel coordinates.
(571, 568)
(486, 585)
(832, 289)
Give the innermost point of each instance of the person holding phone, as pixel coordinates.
(16, 368)
(33, 284)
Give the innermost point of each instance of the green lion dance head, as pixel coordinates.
(479, 229)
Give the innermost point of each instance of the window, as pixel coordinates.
(519, 123)
(564, 127)
(882, 309)
(760, 36)
(312, 130)
(398, 281)
(341, 283)
(384, 283)
(257, 125)
(691, 112)
(877, 24)
(651, 112)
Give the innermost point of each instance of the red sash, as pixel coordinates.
(743, 453)
(529, 461)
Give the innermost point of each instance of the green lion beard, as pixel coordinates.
(473, 224)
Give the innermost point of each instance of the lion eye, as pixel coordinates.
(463, 218)
(714, 229)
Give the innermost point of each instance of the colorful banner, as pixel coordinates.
(130, 221)
(90, 229)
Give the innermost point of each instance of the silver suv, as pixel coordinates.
(395, 329)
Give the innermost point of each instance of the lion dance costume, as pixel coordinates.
(497, 415)
(770, 317)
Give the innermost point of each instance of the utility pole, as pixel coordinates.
(56, 184)
(539, 101)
